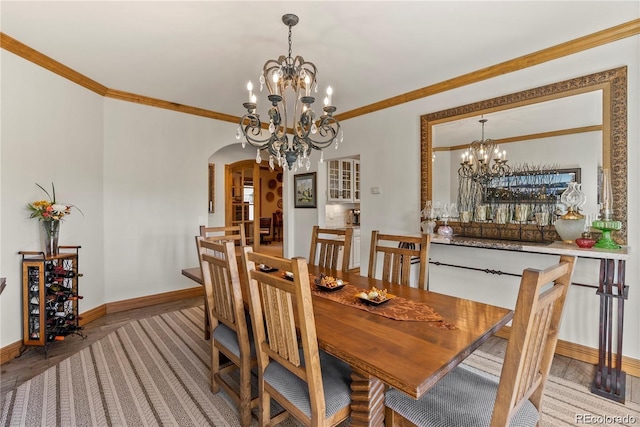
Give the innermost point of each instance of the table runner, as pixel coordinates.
(397, 308)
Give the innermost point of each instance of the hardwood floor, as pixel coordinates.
(33, 362)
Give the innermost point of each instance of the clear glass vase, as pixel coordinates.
(51, 233)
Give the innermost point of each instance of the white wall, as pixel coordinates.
(142, 186)
(52, 131)
(155, 192)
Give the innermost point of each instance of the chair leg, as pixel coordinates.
(215, 367)
(265, 407)
(245, 396)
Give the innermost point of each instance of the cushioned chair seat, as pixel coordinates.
(464, 397)
(336, 379)
(228, 338)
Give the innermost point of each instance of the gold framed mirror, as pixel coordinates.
(612, 83)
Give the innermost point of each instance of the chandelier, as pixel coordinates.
(476, 160)
(289, 80)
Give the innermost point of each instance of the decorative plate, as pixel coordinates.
(279, 177)
(270, 196)
(321, 287)
(272, 184)
(280, 203)
(337, 283)
(266, 268)
(280, 191)
(373, 302)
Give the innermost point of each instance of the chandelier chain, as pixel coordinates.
(290, 55)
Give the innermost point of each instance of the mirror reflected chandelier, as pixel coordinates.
(476, 160)
(293, 80)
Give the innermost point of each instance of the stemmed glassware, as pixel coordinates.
(445, 230)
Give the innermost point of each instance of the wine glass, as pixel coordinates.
(446, 212)
(453, 210)
(437, 209)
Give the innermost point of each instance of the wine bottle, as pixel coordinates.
(54, 288)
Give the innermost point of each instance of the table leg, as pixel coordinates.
(610, 379)
(367, 400)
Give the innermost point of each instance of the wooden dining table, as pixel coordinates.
(411, 356)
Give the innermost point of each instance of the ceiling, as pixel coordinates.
(202, 53)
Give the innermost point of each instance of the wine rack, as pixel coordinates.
(50, 297)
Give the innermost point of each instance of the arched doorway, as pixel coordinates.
(253, 199)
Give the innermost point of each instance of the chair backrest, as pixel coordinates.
(222, 287)
(534, 334)
(331, 248)
(234, 233)
(265, 224)
(277, 218)
(398, 253)
(275, 304)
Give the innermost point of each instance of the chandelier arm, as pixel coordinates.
(279, 124)
(283, 125)
(255, 142)
(303, 126)
(325, 129)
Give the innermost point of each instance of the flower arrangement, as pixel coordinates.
(49, 210)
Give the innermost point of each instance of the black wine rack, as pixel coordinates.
(50, 297)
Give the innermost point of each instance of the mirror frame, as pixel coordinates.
(613, 84)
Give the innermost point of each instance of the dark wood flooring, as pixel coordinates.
(33, 362)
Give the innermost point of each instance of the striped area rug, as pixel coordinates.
(155, 371)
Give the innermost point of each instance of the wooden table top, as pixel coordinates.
(408, 355)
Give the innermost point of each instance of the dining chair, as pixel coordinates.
(233, 232)
(311, 385)
(231, 334)
(331, 248)
(398, 253)
(278, 223)
(265, 230)
(470, 397)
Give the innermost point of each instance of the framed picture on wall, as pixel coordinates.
(304, 186)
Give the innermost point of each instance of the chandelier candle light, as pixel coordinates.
(289, 79)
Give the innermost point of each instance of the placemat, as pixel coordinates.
(397, 308)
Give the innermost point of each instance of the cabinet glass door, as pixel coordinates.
(346, 179)
(334, 180)
(356, 180)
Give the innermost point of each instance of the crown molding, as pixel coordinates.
(12, 45)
